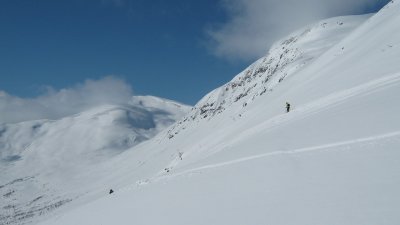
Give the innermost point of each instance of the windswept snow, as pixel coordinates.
(348, 185)
(239, 158)
(47, 163)
(285, 58)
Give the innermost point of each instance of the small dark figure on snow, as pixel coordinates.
(111, 191)
(287, 107)
(180, 155)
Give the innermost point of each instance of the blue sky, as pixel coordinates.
(174, 49)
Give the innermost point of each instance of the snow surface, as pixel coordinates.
(238, 158)
(46, 163)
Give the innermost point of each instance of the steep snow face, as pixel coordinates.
(333, 159)
(42, 162)
(285, 58)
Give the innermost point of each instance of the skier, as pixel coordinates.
(180, 155)
(287, 107)
(111, 191)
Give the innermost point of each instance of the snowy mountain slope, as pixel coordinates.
(298, 188)
(285, 58)
(333, 159)
(46, 163)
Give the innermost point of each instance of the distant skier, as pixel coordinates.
(287, 107)
(180, 155)
(111, 191)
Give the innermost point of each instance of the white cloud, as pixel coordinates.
(254, 25)
(58, 103)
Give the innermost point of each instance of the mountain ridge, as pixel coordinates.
(239, 158)
(333, 159)
(43, 162)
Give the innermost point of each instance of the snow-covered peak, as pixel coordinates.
(240, 158)
(156, 102)
(108, 128)
(286, 57)
(61, 154)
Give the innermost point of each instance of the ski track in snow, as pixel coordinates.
(322, 104)
(301, 112)
(324, 147)
(311, 108)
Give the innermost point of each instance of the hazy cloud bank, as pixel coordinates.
(58, 103)
(254, 25)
